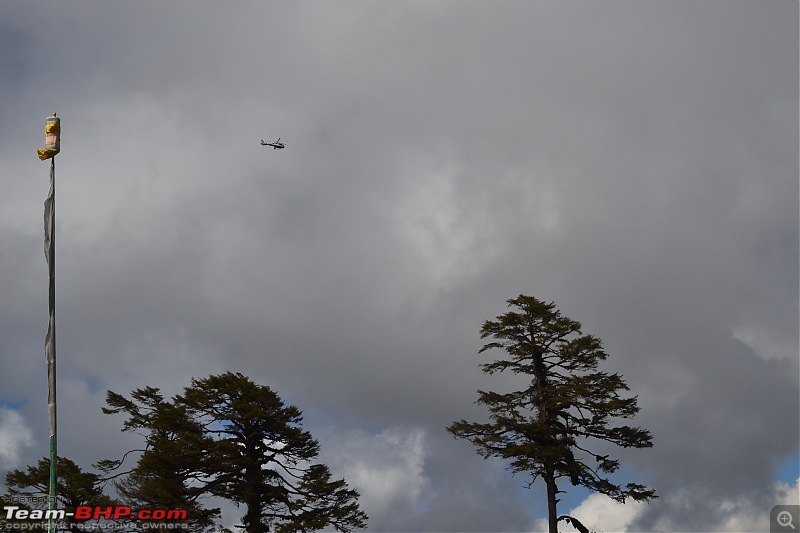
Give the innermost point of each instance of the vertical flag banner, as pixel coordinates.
(50, 256)
(52, 133)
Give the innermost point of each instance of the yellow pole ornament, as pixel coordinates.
(52, 138)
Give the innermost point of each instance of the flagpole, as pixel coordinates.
(52, 133)
(51, 362)
(50, 348)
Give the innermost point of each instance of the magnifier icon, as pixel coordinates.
(785, 519)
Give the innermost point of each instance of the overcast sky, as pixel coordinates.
(635, 162)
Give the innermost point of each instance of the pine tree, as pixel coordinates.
(229, 437)
(29, 489)
(547, 430)
(165, 475)
(263, 459)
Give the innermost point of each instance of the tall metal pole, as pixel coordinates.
(52, 147)
(50, 339)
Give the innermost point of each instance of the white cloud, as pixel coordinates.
(14, 435)
(748, 516)
(767, 342)
(603, 515)
(386, 468)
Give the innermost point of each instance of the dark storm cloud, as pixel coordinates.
(636, 163)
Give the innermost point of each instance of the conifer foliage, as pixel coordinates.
(176, 450)
(229, 437)
(548, 429)
(28, 489)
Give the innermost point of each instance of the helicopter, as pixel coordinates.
(276, 145)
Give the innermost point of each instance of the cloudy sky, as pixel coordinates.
(635, 162)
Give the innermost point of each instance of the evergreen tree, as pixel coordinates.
(29, 489)
(229, 437)
(263, 459)
(547, 429)
(165, 475)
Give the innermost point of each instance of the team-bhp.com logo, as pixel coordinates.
(17, 517)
